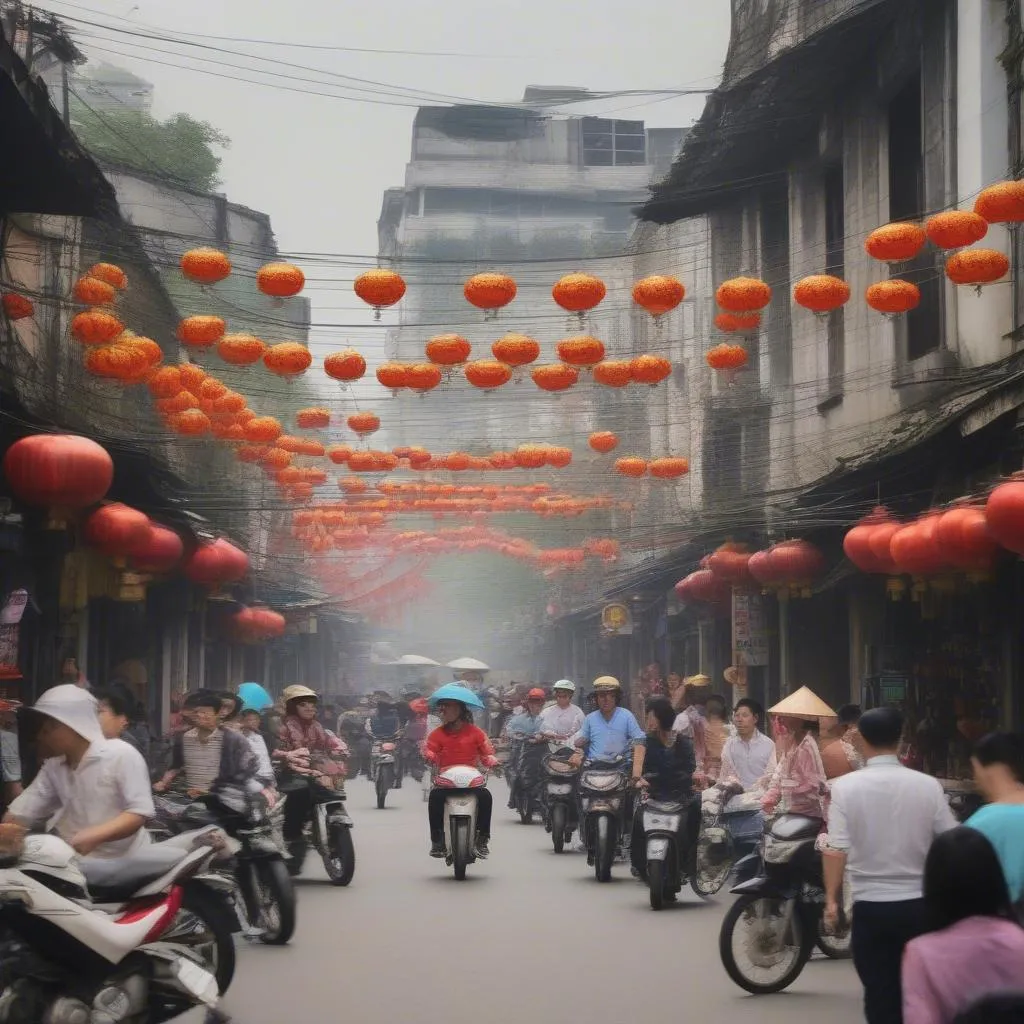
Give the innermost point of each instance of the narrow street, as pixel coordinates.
(528, 937)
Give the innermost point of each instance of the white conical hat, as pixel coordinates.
(805, 703)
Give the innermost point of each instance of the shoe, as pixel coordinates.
(436, 847)
(482, 847)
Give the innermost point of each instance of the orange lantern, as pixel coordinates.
(393, 375)
(554, 376)
(893, 297)
(448, 349)
(379, 288)
(95, 327)
(191, 422)
(339, 454)
(287, 359)
(631, 466)
(294, 445)
(16, 307)
(346, 366)
(178, 402)
(363, 462)
(581, 351)
(737, 323)
(165, 382)
(578, 293)
(530, 456)
(201, 331)
(423, 377)
(276, 458)
(363, 423)
(614, 373)
(211, 389)
(263, 429)
(457, 462)
(977, 267)
(658, 294)
(743, 295)
(487, 374)
(280, 280)
(603, 441)
(146, 347)
(955, 229)
(93, 292)
(110, 274)
(251, 453)
(117, 362)
(895, 243)
(559, 457)
(230, 404)
(726, 357)
(489, 291)
(228, 431)
(240, 349)
(352, 485)
(205, 266)
(821, 293)
(669, 468)
(313, 419)
(192, 376)
(1002, 203)
(648, 369)
(516, 350)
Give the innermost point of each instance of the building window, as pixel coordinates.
(775, 265)
(609, 143)
(835, 264)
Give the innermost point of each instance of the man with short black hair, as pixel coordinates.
(881, 825)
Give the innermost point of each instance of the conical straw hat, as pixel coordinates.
(805, 703)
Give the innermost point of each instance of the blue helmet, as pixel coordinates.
(452, 691)
(254, 697)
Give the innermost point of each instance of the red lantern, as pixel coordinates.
(216, 563)
(554, 376)
(915, 548)
(201, 331)
(95, 327)
(516, 350)
(345, 366)
(16, 306)
(379, 288)
(423, 377)
(263, 429)
(895, 243)
(977, 267)
(631, 466)
(648, 369)
(603, 441)
(669, 468)
(487, 374)
(761, 567)
(165, 382)
(730, 563)
(614, 373)
(363, 423)
(280, 280)
(191, 422)
(737, 323)
(313, 419)
(161, 552)
(393, 375)
(448, 349)
(489, 291)
(893, 297)
(1004, 513)
(1002, 203)
(956, 229)
(726, 357)
(558, 457)
(117, 530)
(578, 293)
(658, 294)
(287, 359)
(581, 351)
(743, 295)
(964, 539)
(241, 349)
(796, 562)
(205, 266)
(857, 543)
(339, 454)
(93, 292)
(821, 293)
(702, 586)
(58, 470)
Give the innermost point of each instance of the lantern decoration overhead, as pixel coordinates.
(554, 376)
(487, 374)
(1002, 203)
(287, 359)
(516, 350)
(111, 274)
(280, 280)
(241, 349)
(165, 382)
(117, 530)
(215, 564)
(743, 295)
(893, 297)
(205, 265)
(955, 229)
(614, 373)
(632, 466)
(977, 267)
(658, 294)
(1004, 514)
(795, 563)
(737, 323)
(191, 422)
(858, 547)
(580, 351)
(276, 458)
(91, 291)
(15, 306)
(530, 456)
(314, 418)
(230, 404)
(896, 242)
(704, 587)
(58, 470)
(126, 363)
(380, 289)
(95, 327)
(161, 551)
(651, 370)
(339, 454)
(353, 485)
(211, 389)
(726, 357)
(422, 377)
(730, 563)
(201, 331)
(178, 402)
(669, 467)
(578, 293)
(448, 349)
(915, 547)
(821, 293)
(363, 423)
(489, 292)
(558, 456)
(603, 441)
(192, 376)
(393, 375)
(263, 430)
(964, 538)
(346, 366)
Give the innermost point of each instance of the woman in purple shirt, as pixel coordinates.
(977, 947)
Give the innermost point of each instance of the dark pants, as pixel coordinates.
(880, 931)
(435, 810)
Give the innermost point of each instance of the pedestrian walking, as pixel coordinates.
(881, 824)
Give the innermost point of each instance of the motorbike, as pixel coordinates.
(527, 756)
(559, 797)
(730, 833)
(769, 933)
(668, 866)
(384, 768)
(144, 937)
(329, 830)
(602, 796)
(460, 815)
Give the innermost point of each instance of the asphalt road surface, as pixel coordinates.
(528, 937)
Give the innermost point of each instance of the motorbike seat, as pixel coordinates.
(117, 878)
(665, 806)
(795, 826)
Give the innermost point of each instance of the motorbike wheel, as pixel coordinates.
(205, 924)
(523, 807)
(604, 849)
(461, 849)
(780, 967)
(340, 858)
(707, 883)
(558, 817)
(271, 900)
(834, 946)
(385, 780)
(656, 883)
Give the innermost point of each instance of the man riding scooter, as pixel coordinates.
(527, 751)
(384, 726)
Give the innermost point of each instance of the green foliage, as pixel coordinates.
(180, 148)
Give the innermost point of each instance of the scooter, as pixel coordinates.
(383, 759)
(668, 866)
(730, 834)
(526, 779)
(559, 796)
(602, 792)
(460, 815)
(329, 830)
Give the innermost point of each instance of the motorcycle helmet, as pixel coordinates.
(418, 706)
(606, 683)
(536, 694)
(565, 684)
(296, 692)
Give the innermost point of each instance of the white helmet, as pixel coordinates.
(565, 684)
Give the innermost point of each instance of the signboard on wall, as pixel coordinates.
(749, 629)
(616, 619)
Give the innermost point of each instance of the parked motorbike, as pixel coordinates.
(460, 815)
(729, 835)
(153, 942)
(559, 797)
(669, 863)
(384, 768)
(528, 753)
(602, 790)
(328, 829)
(769, 933)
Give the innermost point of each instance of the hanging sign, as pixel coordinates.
(616, 619)
(749, 629)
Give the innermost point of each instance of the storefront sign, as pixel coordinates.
(749, 630)
(615, 618)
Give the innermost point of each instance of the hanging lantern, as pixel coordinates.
(457, 462)
(730, 563)
(161, 551)
(15, 306)
(216, 563)
(201, 331)
(346, 366)
(558, 457)
(93, 292)
(339, 454)
(95, 327)
(230, 404)
(240, 349)
(487, 374)
(669, 468)
(448, 349)
(124, 363)
(192, 422)
(287, 359)
(165, 382)
(294, 445)
(263, 430)
(956, 229)
(702, 586)
(423, 377)
(726, 357)
(176, 403)
(117, 530)
(313, 419)
(554, 376)
(893, 297)
(857, 543)
(895, 243)
(977, 267)
(192, 376)
(581, 351)
(614, 373)
(915, 548)
(227, 431)
(1002, 203)
(251, 452)
(578, 293)
(58, 470)
(651, 370)
(530, 456)
(212, 389)
(147, 349)
(363, 423)
(762, 568)
(1004, 514)
(111, 274)
(658, 294)
(516, 350)
(276, 458)
(489, 291)
(603, 441)
(631, 466)
(964, 539)
(393, 375)
(280, 280)
(796, 563)
(205, 266)
(743, 295)
(380, 289)
(737, 323)
(352, 485)
(821, 293)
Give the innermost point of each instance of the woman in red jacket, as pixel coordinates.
(458, 742)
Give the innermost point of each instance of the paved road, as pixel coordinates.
(528, 937)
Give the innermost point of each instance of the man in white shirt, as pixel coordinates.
(749, 755)
(881, 824)
(94, 792)
(563, 719)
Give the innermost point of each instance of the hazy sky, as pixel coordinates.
(319, 165)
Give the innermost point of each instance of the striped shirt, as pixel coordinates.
(202, 758)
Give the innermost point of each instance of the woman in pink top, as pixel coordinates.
(977, 948)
